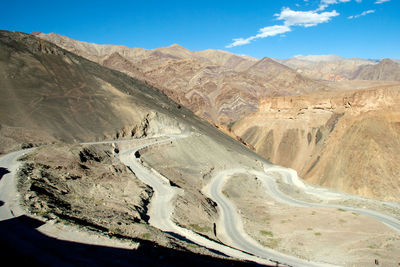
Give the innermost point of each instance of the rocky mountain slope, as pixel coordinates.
(386, 69)
(345, 140)
(50, 94)
(326, 67)
(87, 187)
(214, 84)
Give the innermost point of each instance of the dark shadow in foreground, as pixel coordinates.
(21, 243)
(3, 171)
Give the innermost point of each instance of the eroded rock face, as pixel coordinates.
(86, 185)
(345, 140)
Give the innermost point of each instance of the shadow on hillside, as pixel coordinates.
(3, 171)
(21, 243)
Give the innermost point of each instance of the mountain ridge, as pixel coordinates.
(209, 82)
(386, 69)
(71, 89)
(336, 68)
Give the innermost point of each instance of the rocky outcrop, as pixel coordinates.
(354, 101)
(345, 140)
(152, 124)
(86, 185)
(89, 187)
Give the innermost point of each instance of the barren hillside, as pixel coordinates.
(344, 140)
(53, 96)
(50, 94)
(385, 70)
(179, 191)
(326, 67)
(214, 84)
(336, 69)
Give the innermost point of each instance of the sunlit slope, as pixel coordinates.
(346, 140)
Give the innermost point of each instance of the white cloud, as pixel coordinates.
(305, 18)
(272, 31)
(325, 3)
(381, 1)
(362, 14)
(262, 33)
(240, 41)
(290, 18)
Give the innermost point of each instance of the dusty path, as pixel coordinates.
(233, 231)
(11, 209)
(324, 194)
(8, 189)
(161, 209)
(28, 240)
(161, 206)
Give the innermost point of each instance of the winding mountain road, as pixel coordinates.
(233, 226)
(230, 226)
(272, 188)
(161, 206)
(8, 189)
(161, 209)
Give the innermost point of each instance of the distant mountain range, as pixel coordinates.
(386, 69)
(335, 68)
(217, 85)
(223, 87)
(319, 58)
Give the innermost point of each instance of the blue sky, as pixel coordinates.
(280, 29)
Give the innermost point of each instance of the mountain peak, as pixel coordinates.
(36, 33)
(387, 61)
(177, 46)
